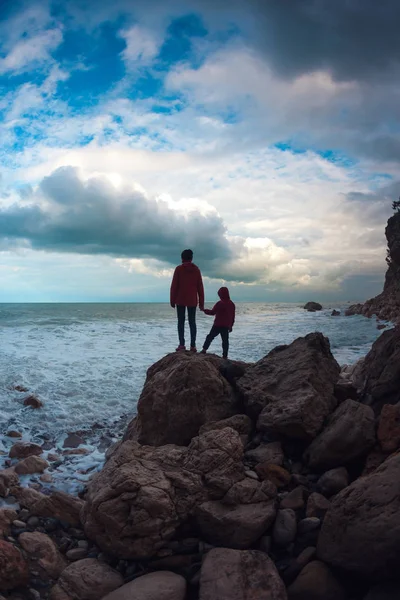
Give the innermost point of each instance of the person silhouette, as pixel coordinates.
(187, 292)
(224, 312)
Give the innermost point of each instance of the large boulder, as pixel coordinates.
(87, 579)
(182, 392)
(244, 515)
(380, 372)
(291, 390)
(361, 530)
(42, 549)
(162, 585)
(349, 434)
(144, 494)
(240, 575)
(58, 505)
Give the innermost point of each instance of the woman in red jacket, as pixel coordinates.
(186, 292)
(224, 312)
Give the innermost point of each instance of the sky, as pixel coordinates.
(264, 135)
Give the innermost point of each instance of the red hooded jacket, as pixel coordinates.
(224, 310)
(187, 286)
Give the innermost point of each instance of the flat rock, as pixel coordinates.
(361, 530)
(291, 389)
(240, 575)
(162, 585)
(240, 423)
(58, 505)
(349, 435)
(316, 582)
(87, 579)
(389, 428)
(14, 570)
(313, 306)
(25, 449)
(182, 392)
(42, 548)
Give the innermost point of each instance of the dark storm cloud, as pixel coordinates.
(93, 217)
(354, 39)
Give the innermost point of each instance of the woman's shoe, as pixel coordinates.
(181, 348)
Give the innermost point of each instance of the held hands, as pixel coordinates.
(172, 305)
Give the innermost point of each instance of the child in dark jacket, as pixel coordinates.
(224, 312)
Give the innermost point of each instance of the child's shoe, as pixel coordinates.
(181, 348)
(193, 349)
(203, 351)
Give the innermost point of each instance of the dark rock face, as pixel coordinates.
(380, 372)
(348, 435)
(182, 392)
(387, 305)
(313, 306)
(144, 494)
(291, 390)
(361, 530)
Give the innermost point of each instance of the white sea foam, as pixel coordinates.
(87, 363)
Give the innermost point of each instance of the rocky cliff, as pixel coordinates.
(387, 305)
(278, 480)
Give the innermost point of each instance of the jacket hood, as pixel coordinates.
(223, 293)
(188, 264)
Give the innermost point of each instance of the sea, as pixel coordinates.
(87, 363)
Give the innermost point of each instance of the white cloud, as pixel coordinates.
(142, 46)
(30, 52)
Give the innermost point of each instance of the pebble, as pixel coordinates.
(295, 499)
(52, 457)
(251, 474)
(50, 525)
(33, 522)
(34, 593)
(83, 544)
(46, 478)
(308, 524)
(19, 524)
(76, 554)
(285, 527)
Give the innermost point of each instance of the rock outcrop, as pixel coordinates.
(182, 393)
(162, 585)
(313, 306)
(361, 530)
(291, 390)
(387, 304)
(379, 375)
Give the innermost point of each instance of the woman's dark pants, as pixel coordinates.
(191, 310)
